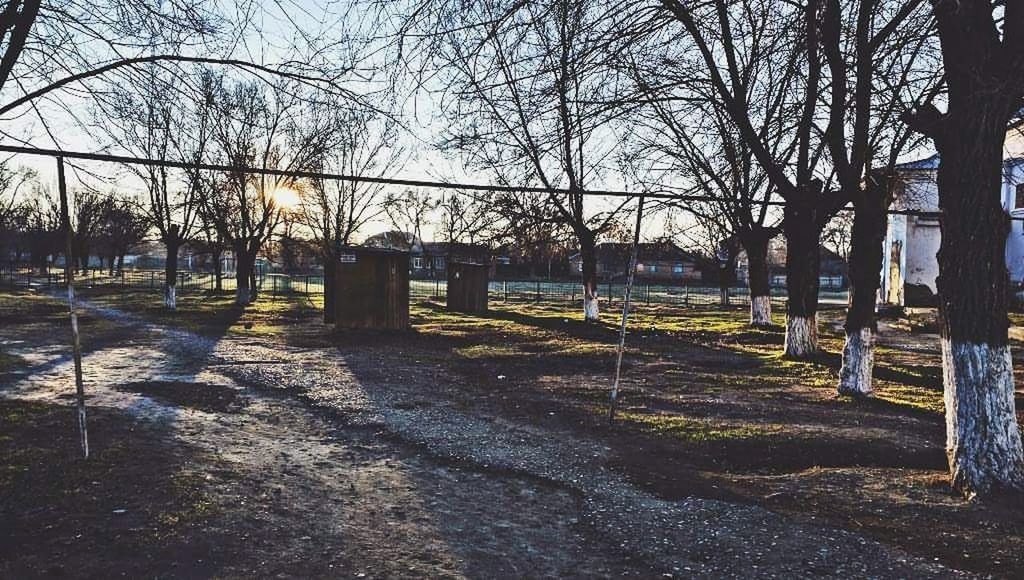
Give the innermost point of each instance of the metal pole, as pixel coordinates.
(69, 274)
(625, 309)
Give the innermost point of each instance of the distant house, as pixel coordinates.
(834, 273)
(392, 240)
(431, 259)
(655, 261)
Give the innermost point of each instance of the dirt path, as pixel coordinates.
(387, 477)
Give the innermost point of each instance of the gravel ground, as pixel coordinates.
(589, 519)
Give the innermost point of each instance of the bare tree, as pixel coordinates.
(335, 211)
(692, 137)
(268, 129)
(983, 56)
(465, 218)
(144, 121)
(788, 76)
(525, 106)
(124, 225)
(41, 227)
(408, 211)
(13, 212)
(842, 127)
(89, 211)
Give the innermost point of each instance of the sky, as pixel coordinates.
(278, 31)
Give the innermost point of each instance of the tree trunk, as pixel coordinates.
(171, 274)
(983, 442)
(83, 259)
(218, 270)
(866, 257)
(110, 264)
(803, 264)
(588, 258)
(329, 271)
(243, 271)
(756, 245)
(253, 285)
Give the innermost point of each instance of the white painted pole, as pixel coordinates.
(625, 309)
(69, 275)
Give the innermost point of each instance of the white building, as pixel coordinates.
(911, 268)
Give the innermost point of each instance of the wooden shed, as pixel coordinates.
(371, 288)
(467, 287)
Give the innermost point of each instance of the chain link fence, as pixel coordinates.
(540, 291)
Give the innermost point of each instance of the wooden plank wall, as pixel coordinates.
(372, 289)
(467, 287)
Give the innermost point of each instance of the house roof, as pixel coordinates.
(453, 248)
(925, 164)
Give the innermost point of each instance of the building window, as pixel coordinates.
(417, 263)
(639, 267)
(1018, 203)
(678, 268)
(439, 263)
(653, 268)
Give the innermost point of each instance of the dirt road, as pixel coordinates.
(317, 463)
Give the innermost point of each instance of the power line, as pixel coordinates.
(129, 160)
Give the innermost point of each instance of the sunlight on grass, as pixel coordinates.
(699, 430)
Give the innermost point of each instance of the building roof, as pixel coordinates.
(453, 248)
(926, 164)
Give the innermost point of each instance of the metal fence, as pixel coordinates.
(419, 290)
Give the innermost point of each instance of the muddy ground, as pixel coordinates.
(233, 443)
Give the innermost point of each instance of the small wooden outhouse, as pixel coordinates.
(467, 287)
(371, 288)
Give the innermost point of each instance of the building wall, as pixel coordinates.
(922, 265)
(919, 236)
(1015, 241)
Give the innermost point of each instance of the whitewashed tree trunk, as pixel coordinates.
(170, 297)
(801, 336)
(761, 311)
(983, 441)
(591, 308)
(858, 363)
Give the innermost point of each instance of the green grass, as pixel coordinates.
(700, 430)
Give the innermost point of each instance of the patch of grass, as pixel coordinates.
(193, 506)
(700, 430)
(135, 476)
(915, 398)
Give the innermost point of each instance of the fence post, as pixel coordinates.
(610, 294)
(538, 290)
(504, 289)
(686, 294)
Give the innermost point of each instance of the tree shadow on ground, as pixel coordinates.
(95, 518)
